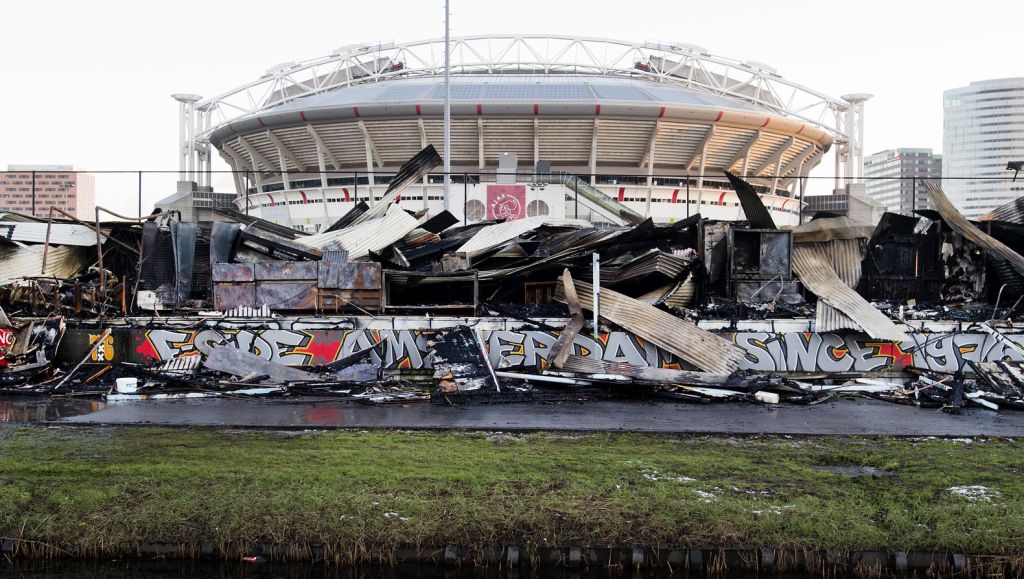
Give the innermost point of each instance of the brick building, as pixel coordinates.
(33, 189)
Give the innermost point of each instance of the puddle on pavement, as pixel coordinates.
(21, 409)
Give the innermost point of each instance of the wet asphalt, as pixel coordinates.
(840, 417)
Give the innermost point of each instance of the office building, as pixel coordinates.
(983, 129)
(894, 178)
(33, 189)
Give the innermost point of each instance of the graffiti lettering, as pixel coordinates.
(407, 349)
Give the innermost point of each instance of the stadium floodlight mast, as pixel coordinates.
(447, 108)
(186, 133)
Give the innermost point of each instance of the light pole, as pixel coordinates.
(447, 109)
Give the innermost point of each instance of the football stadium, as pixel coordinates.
(540, 125)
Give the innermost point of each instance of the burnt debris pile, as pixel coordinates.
(388, 304)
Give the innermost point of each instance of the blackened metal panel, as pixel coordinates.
(757, 214)
(233, 272)
(348, 218)
(286, 270)
(228, 296)
(776, 253)
(202, 281)
(183, 238)
(349, 275)
(157, 266)
(287, 296)
(222, 241)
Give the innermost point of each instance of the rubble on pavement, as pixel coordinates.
(665, 284)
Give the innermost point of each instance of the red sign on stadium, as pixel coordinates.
(506, 202)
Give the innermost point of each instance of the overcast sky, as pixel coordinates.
(88, 83)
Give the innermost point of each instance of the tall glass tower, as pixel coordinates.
(983, 128)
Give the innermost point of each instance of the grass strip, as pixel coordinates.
(94, 490)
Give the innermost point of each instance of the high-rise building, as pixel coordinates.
(894, 178)
(33, 189)
(983, 128)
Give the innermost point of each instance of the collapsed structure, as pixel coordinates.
(387, 304)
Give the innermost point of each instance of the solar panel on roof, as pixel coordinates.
(401, 92)
(624, 93)
(561, 92)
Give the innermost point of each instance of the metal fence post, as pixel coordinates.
(465, 198)
(33, 193)
(687, 196)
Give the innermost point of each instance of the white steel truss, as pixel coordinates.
(673, 63)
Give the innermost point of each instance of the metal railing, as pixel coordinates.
(33, 192)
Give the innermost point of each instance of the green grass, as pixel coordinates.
(94, 490)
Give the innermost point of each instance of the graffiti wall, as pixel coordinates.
(407, 349)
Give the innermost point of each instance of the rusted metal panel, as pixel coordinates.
(285, 270)
(233, 272)
(336, 300)
(228, 296)
(287, 295)
(363, 275)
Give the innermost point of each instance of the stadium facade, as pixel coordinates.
(534, 120)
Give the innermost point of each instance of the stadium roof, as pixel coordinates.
(533, 88)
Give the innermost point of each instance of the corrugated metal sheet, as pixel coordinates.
(827, 272)
(62, 262)
(19, 218)
(60, 233)
(643, 374)
(606, 205)
(961, 225)
(653, 261)
(360, 240)
(412, 171)
(1012, 212)
(497, 235)
(681, 337)
(757, 214)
